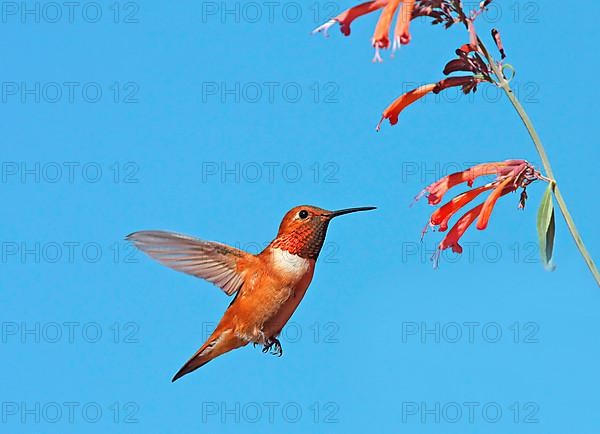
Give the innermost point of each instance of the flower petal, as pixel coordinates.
(393, 110)
(436, 191)
(465, 81)
(442, 215)
(401, 32)
(349, 15)
(381, 38)
(457, 231)
(457, 65)
(503, 188)
(467, 48)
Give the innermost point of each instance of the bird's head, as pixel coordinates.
(302, 230)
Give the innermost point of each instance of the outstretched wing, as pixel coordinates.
(215, 262)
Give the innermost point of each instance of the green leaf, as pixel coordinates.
(546, 228)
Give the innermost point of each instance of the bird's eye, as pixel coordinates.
(303, 214)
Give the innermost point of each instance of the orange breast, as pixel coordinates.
(270, 295)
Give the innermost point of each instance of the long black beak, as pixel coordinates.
(340, 212)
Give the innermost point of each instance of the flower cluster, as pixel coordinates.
(381, 37)
(468, 60)
(472, 66)
(447, 12)
(510, 176)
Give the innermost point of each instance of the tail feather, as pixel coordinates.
(218, 343)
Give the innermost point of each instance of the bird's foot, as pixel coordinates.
(273, 346)
(277, 350)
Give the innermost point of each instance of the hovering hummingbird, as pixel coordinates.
(268, 286)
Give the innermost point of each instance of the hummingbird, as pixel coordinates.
(267, 287)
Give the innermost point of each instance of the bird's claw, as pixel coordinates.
(274, 346)
(277, 350)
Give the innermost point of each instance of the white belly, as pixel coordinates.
(293, 267)
(298, 274)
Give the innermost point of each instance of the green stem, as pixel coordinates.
(504, 84)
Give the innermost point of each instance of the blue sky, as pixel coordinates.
(176, 117)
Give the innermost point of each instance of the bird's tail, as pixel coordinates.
(220, 342)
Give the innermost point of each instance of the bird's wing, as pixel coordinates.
(215, 262)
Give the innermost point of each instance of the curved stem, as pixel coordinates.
(504, 84)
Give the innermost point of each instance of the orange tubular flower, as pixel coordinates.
(393, 110)
(447, 12)
(503, 188)
(381, 38)
(442, 215)
(349, 15)
(436, 191)
(402, 33)
(457, 231)
(510, 176)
